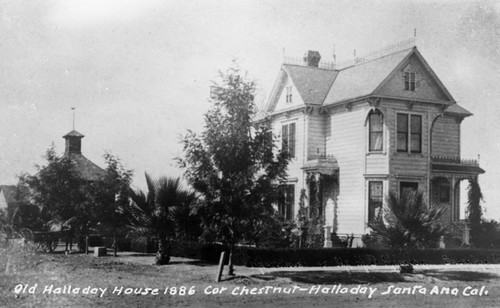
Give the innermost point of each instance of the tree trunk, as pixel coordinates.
(162, 256)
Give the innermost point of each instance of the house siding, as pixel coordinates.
(316, 135)
(296, 99)
(446, 137)
(347, 145)
(295, 174)
(426, 87)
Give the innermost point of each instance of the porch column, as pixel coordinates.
(452, 199)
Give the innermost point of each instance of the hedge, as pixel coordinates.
(258, 257)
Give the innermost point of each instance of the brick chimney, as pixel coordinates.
(73, 142)
(311, 58)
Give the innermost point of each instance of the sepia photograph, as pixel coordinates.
(257, 153)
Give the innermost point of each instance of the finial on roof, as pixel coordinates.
(334, 54)
(73, 108)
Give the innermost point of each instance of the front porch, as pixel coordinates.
(447, 173)
(322, 179)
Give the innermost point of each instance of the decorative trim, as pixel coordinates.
(409, 177)
(379, 176)
(374, 102)
(308, 110)
(459, 119)
(348, 106)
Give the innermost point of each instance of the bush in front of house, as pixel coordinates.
(364, 256)
(266, 257)
(407, 222)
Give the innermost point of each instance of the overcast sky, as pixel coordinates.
(138, 71)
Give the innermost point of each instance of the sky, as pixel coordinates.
(138, 71)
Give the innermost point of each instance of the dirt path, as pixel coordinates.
(84, 281)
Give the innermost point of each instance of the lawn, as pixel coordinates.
(130, 280)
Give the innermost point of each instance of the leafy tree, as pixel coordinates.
(57, 188)
(153, 214)
(408, 222)
(233, 164)
(474, 208)
(61, 194)
(111, 194)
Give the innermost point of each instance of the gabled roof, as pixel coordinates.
(312, 83)
(327, 86)
(363, 79)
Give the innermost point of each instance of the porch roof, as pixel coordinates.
(447, 165)
(325, 165)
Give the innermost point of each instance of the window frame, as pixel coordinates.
(410, 81)
(287, 202)
(408, 133)
(371, 132)
(288, 140)
(288, 94)
(372, 203)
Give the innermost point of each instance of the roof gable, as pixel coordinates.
(362, 79)
(289, 97)
(311, 83)
(428, 87)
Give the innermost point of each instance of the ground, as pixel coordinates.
(26, 278)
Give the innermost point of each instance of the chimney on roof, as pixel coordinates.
(311, 58)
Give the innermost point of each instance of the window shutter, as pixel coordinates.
(291, 146)
(284, 138)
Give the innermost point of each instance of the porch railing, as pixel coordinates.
(455, 160)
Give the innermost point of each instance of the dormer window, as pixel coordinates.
(409, 81)
(289, 94)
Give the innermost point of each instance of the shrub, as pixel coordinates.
(257, 257)
(408, 222)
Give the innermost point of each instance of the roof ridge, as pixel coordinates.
(312, 67)
(376, 59)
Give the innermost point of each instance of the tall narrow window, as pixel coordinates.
(402, 144)
(416, 134)
(287, 201)
(289, 94)
(288, 139)
(409, 81)
(375, 196)
(376, 125)
(409, 132)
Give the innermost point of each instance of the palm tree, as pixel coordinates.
(408, 222)
(154, 214)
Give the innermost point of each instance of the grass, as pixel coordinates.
(136, 271)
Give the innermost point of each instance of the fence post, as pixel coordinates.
(86, 244)
(221, 265)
